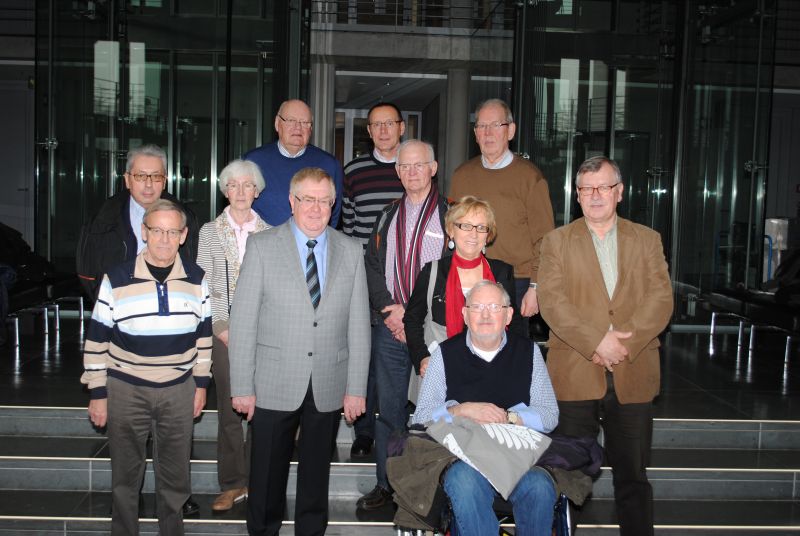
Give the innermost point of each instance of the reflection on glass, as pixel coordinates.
(193, 81)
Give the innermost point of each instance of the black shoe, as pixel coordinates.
(377, 498)
(190, 507)
(362, 447)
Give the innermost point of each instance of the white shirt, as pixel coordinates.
(287, 154)
(505, 161)
(383, 160)
(137, 218)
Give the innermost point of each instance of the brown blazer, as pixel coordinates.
(574, 302)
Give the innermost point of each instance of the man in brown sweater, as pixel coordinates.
(518, 193)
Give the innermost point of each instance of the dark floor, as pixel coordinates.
(699, 380)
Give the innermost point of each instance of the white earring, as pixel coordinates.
(451, 244)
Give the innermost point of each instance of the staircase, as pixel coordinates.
(710, 477)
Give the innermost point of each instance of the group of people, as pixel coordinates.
(300, 323)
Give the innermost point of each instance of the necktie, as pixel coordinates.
(312, 277)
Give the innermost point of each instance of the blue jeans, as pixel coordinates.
(392, 371)
(471, 497)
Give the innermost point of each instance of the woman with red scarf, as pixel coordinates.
(470, 224)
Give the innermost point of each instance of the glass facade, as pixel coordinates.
(113, 75)
(678, 93)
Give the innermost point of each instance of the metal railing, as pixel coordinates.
(462, 14)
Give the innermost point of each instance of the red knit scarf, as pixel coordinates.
(454, 294)
(407, 263)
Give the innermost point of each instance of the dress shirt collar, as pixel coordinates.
(285, 152)
(505, 161)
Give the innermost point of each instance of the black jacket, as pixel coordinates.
(375, 258)
(108, 240)
(417, 308)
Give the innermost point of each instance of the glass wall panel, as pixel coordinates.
(193, 130)
(114, 75)
(720, 224)
(679, 95)
(77, 98)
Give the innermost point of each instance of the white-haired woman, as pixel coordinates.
(220, 254)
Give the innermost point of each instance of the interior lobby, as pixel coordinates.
(698, 101)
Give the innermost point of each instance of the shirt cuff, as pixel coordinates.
(530, 417)
(98, 393)
(441, 412)
(202, 382)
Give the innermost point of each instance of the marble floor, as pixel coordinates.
(703, 377)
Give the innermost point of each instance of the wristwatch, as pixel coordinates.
(513, 417)
(534, 286)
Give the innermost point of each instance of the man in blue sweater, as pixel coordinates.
(280, 160)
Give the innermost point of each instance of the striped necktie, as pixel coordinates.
(312, 276)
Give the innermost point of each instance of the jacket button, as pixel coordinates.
(310, 354)
(315, 324)
(611, 312)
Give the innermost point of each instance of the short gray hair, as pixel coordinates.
(593, 165)
(146, 150)
(314, 174)
(241, 168)
(495, 102)
(486, 283)
(165, 205)
(427, 146)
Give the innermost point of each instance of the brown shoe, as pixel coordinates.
(227, 499)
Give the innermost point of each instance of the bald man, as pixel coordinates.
(281, 159)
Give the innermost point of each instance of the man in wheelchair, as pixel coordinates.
(490, 376)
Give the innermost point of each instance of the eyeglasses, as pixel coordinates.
(156, 178)
(493, 308)
(490, 126)
(308, 201)
(588, 191)
(295, 122)
(247, 186)
(469, 227)
(157, 232)
(388, 124)
(419, 166)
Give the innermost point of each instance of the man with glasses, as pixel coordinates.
(605, 293)
(490, 375)
(408, 234)
(518, 193)
(114, 235)
(290, 153)
(370, 183)
(299, 353)
(147, 362)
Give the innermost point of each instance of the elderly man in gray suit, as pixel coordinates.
(299, 352)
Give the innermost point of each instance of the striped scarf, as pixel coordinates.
(406, 263)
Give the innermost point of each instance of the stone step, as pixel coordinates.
(774, 480)
(667, 433)
(74, 513)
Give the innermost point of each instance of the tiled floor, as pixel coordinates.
(731, 383)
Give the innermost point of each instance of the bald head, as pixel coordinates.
(293, 125)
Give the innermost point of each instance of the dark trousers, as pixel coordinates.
(134, 412)
(365, 424)
(233, 450)
(628, 431)
(273, 441)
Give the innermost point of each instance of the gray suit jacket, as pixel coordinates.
(278, 342)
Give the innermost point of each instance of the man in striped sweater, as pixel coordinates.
(147, 361)
(371, 183)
